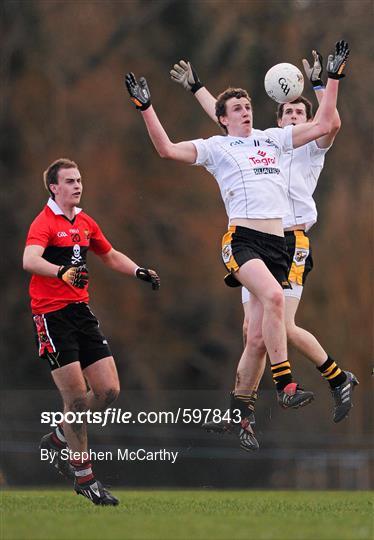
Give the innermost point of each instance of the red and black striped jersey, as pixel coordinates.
(65, 242)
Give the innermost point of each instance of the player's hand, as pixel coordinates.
(314, 72)
(184, 74)
(139, 91)
(146, 274)
(77, 276)
(336, 62)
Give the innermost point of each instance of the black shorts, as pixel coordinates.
(300, 252)
(69, 335)
(241, 244)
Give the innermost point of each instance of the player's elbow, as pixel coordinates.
(165, 152)
(336, 125)
(26, 264)
(323, 127)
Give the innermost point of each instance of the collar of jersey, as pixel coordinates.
(57, 210)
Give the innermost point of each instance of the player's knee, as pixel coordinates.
(107, 394)
(111, 394)
(275, 299)
(77, 404)
(256, 345)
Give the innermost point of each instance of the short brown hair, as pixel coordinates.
(301, 99)
(224, 97)
(50, 175)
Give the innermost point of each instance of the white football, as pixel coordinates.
(284, 82)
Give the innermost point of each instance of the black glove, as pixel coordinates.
(146, 274)
(314, 72)
(184, 74)
(336, 62)
(77, 276)
(139, 91)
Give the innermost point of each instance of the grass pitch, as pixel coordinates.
(185, 515)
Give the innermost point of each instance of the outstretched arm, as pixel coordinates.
(121, 263)
(323, 122)
(314, 74)
(185, 74)
(141, 97)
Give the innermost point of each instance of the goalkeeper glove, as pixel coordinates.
(336, 62)
(149, 275)
(184, 74)
(314, 72)
(77, 276)
(139, 91)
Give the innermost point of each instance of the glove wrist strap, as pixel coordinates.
(145, 106)
(196, 86)
(318, 84)
(335, 76)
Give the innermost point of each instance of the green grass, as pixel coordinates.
(185, 515)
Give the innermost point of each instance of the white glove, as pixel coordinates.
(184, 74)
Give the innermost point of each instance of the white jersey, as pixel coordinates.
(302, 167)
(249, 171)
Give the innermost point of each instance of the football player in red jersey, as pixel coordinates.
(68, 333)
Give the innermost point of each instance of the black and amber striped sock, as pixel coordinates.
(332, 373)
(248, 400)
(281, 374)
(252, 400)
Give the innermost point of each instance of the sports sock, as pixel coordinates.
(241, 402)
(332, 373)
(248, 399)
(82, 470)
(281, 374)
(58, 437)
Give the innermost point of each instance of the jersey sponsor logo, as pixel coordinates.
(269, 142)
(74, 231)
(235, 143)
(300, 256)
(61, 234)
(266, 170)
(265, 160)
(226, 253)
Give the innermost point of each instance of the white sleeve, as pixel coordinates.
(283, 136)
(316, 152)
(204, 155)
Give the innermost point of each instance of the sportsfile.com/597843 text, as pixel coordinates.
(118, 416)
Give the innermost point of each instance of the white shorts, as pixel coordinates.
(295, 292)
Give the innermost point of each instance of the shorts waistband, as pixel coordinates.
(252, 233)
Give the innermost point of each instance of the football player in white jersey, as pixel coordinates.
(246, 163)
(302, 167)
